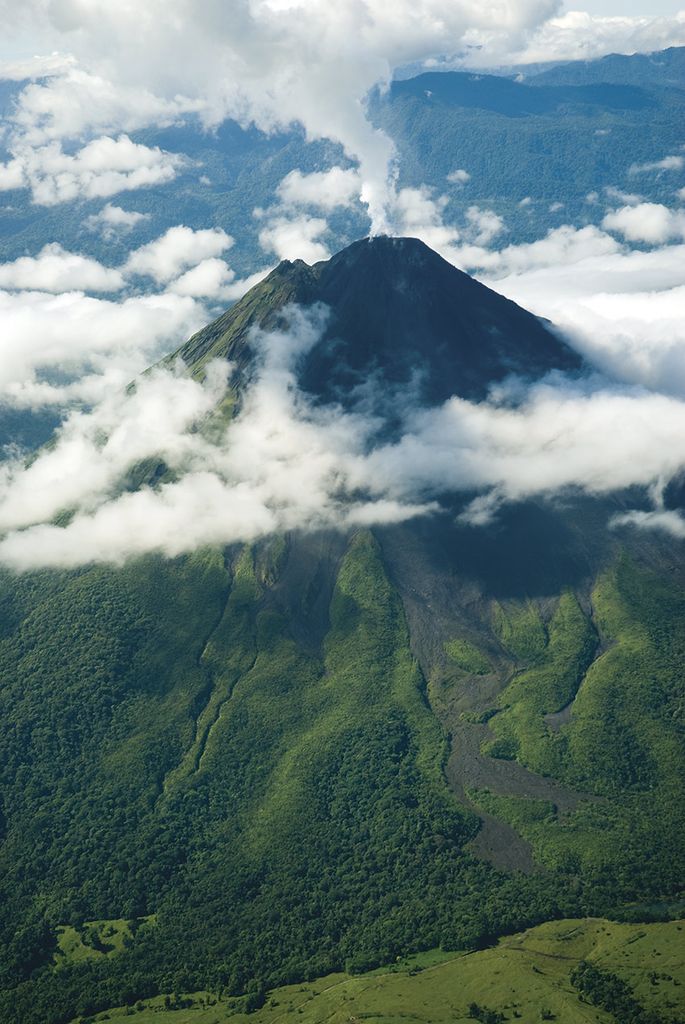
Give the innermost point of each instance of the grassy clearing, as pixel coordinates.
(523, 977)
(467, 656)
(94, 940)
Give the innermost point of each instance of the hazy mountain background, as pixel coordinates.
(552, 138)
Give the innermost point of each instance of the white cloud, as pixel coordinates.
(484, 225)
(563, 246)
(56, 349)
(669, 163)
(273, 64)
(12, 175)
(652, 223)
(214, 279)
(295, 237)
(175, 251)
(323, 189)
(627, 198)
(418, 213)
(93, 450)
(35, 67)
(112, 220)
(562, 436)
(313, 63)
(578, 35)
(667, 521)
(459, 177)
(622, 309)
(77, 102)
(100, 169)
(56, 270)
(284, 464)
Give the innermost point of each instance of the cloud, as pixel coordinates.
(565, 245)
(622, 309)
(326, 190)
(177, 250)
(652, 223)
(459, 177)
(418, 213)
(579, 35)
(627, 198)
(266, 62)
(272, 64)
(112, 221)
(295, 237)
(74, 102)
(664, 520)
(35, 67)
(669, 163)
(284, 464)
(94, 449)
(100, 169)
(214, 279)
(56, 270)
(484, 225)
(58, 349)
(59, 346)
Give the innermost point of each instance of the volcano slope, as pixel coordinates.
(261, 764)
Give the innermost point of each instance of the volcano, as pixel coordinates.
(400, 315)
(258, 764)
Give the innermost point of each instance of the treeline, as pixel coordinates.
(611, 993)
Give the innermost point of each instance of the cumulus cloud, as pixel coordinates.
(57, 349)
(55, 270)
(177, 250)
(459, 177)
(623, 309)
(291, 233)
(484, 225)
(579, 35)
(59, 346)
(102, 168)
(627, 198)
(74, 102)
(286, 464)
(270, 63)
(214, 279)
(273, 63)
(112, 220)
(326, 190)
(295, 237)
(419, 213)
(652, 223)
(565, 245)
(35, 67)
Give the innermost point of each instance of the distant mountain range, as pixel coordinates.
(506, 134)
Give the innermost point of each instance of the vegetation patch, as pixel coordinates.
(468, 657)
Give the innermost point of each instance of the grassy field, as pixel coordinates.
(95, 939)
(525, 977)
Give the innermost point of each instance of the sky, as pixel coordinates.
(74, 329)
